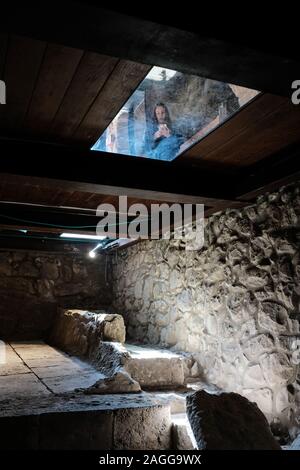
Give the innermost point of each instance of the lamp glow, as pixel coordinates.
(92, 253)
(82, 236)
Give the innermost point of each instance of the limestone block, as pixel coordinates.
(155, 368)
(228, 421)
(80, 331)
(142, 428)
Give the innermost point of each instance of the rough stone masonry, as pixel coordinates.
(234, 304)
(34, 284)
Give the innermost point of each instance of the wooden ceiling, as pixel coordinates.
(64, 97)
(69, 96)
(265, 126)
(62, 94)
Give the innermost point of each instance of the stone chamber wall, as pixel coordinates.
(34, 284)
(234, 304)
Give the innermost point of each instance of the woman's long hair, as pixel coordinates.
(168, 119)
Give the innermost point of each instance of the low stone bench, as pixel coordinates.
(80, 331)
(99, 337)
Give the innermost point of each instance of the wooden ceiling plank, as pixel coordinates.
(24, 56)
(94, 200)
(58, 197)
(56, 73)
(263, 138)
(89, 78)
(118, 88)
(258, 109)
(74, 199)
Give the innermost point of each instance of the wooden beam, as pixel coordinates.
(237, 205)
(272, 173)
(107, 174)
(36, 243)
(94, 28)
(52, 220)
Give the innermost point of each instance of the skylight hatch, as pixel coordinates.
(169, 112)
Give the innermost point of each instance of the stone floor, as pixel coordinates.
(37, 380)
(43, 405)
(36, 368)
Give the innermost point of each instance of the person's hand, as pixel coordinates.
(157, 134)
(165, 131)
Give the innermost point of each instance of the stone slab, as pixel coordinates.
(61, 370)
(22, 385)
(77, 421)
(13, 369)
(228, 421)
(63, 384)
(146, 429)
(155, 368)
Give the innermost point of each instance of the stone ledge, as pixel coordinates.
(80, 331)
(83, 422)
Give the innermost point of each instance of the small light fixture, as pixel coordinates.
(92, 253)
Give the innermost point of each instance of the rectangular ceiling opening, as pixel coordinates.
(169, 112)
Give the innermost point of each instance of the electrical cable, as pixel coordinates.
(24, 221)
